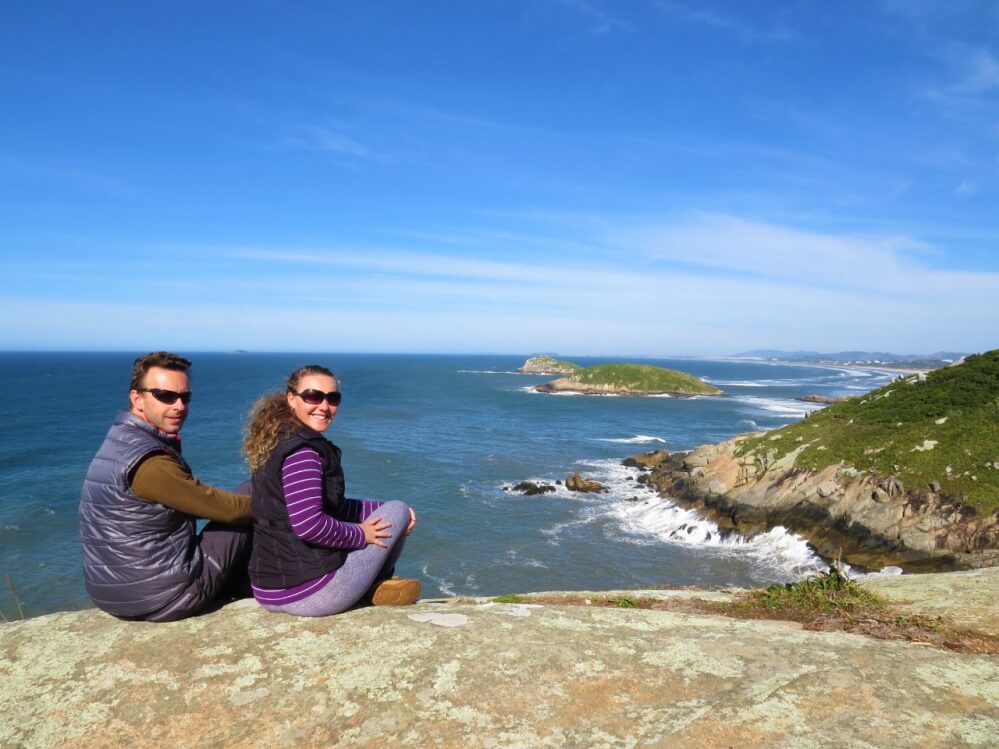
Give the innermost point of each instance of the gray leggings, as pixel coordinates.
(363, 568)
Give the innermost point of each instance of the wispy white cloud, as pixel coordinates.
(335, 142)
(981, 73)
(602, 20)
(732, 245)
(706, 16)
(92, 178)
(967, 187)
(707, 284)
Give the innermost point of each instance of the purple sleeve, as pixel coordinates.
(302, 482)
(359, 510)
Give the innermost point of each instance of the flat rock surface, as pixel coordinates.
(464, 674)
(968, 599)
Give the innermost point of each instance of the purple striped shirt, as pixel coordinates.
(302, 482)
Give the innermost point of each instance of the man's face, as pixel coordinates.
(168, 418)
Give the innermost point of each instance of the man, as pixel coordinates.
(142, 555)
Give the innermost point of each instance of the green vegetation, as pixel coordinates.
(645, 378)
(824, 593)
(941, 430)
(17, 599)
(624, 602)
(510, 598)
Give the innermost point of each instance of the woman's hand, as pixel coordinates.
(376, 529)
(412, 522)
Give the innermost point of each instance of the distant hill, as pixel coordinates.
(869, 358)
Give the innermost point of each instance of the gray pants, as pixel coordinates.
(363, 568)
(225, 553)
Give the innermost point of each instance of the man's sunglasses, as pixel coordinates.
(315, 397)
(169, 397)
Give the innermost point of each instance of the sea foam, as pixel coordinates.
(637, 439)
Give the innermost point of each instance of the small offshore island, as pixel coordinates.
(615, 379)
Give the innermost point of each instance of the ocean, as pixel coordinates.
(447, 434)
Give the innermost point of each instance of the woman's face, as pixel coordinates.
(317, 416)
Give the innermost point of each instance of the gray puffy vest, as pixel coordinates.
(138, 556)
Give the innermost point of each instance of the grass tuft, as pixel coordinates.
(510, 598)
(624, 602)
(824, 593)
(17, 599)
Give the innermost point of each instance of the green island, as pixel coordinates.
(937, 432)
(627, 379)
(549, 365)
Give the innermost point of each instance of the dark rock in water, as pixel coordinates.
(577, 483)
(529, 488)
(632, 499)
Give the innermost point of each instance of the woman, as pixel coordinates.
(316, 552)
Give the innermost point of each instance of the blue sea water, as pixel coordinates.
(446, 434)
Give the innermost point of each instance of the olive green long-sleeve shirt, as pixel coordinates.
(160, 478)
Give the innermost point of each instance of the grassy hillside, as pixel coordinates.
(944, 429)
(645, 378)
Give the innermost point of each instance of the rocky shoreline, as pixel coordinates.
(865, 520)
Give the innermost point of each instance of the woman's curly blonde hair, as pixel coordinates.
(271, 419)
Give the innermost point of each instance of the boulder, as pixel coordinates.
(529, 488)
(577, 483)
(647, 460)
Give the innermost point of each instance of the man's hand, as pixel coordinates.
(376, 529)
(412, 522)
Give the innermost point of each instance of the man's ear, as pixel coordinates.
(136, 402)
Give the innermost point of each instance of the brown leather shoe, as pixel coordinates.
(395, 592)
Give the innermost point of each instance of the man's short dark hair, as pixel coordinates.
(162, 359)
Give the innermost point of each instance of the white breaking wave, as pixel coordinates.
(782, 406)
(645, 518)
(637, 439)
(444, 585)
(514, 558)
(666, 522)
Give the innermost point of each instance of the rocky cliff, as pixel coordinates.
(865, 519)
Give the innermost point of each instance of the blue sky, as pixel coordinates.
(637, 177)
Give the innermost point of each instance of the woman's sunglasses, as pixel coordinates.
(315, 397)
(169, 397)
